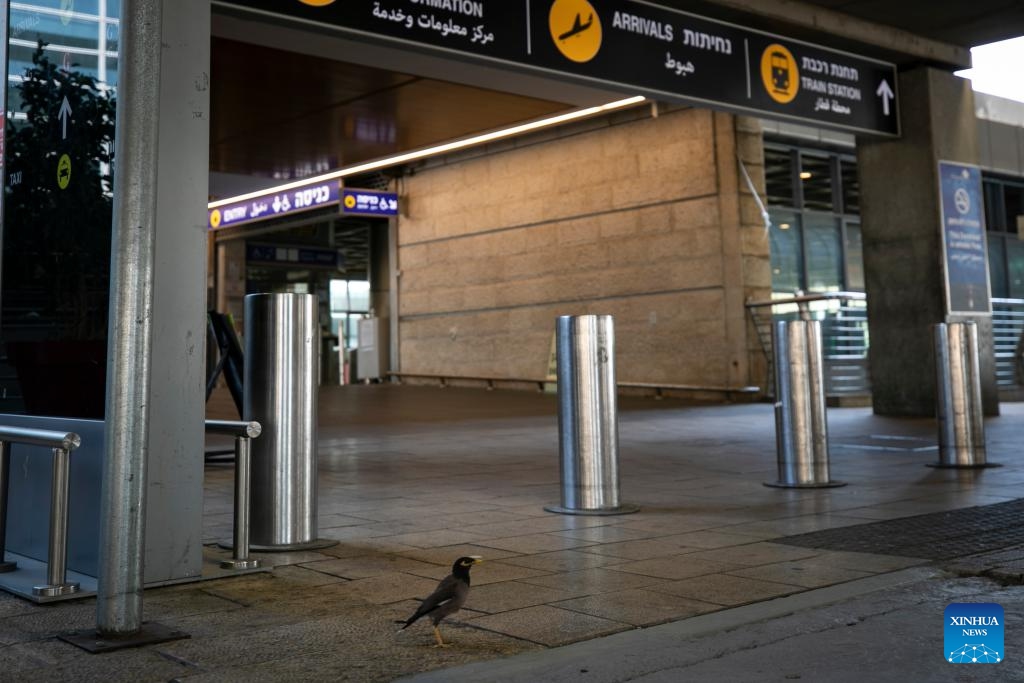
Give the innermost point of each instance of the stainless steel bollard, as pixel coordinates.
(801, 426)
(958, 397)
(282, 336)
(588, 430)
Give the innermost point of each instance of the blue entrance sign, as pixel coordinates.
(355, 202)
(274, 204)
(963, 238)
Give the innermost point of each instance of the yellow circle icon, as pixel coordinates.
(779, 73)
(215, 218)
(350, 201)
(64, 171)
(316, 3)
(576, 29)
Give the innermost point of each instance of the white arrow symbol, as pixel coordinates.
(886, 93)
(63, 115)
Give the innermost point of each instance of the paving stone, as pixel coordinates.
(677, 567)
(383, 588)
(644, 549)
(801, 573)
(609, 534)
(548, 625)
(446, 555)
(593, 581)
(483, 574)
(511, 595)
(563, 561)
(754, 554)
(637, 606)
(533, 543)
(365, 566)
(723, 589)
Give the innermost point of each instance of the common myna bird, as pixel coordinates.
(448, 598)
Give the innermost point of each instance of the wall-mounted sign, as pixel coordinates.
(269, 254)
(356, 202)
(632, 46)
(275, 205)
(963, 239)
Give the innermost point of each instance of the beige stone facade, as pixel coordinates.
(644, 216)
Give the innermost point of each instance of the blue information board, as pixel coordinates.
(963, 237)
(356, 202)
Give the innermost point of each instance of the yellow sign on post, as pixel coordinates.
(64, 172)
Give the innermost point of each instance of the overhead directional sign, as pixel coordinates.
(356, 202)
(633, 46)
(274, 204)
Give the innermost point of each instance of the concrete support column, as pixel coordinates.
(174, 521)
(902, 233)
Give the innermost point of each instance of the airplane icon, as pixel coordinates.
(577, 27)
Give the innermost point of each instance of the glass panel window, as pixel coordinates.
(778, 177)
(997, 266)
(816, 181)
(359, 295)
(824, 255)
(1015, 268)
(994, 216)
(786, 251)
(854, 258)
(851, 186)
(339, 295)
(1013, 196)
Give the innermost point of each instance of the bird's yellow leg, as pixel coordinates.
(440, 640)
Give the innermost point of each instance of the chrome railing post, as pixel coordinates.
(241, 560)
(56, 568)
(244, 433)
(5, 482)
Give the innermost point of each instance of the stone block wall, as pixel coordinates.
(641, 217)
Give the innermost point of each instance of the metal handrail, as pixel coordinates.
(244, 432)
(61, 443)
(809, 298)
(844, 317)
(658, 387)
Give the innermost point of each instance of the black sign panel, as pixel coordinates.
(633, 46)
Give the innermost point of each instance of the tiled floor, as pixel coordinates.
(412, 477)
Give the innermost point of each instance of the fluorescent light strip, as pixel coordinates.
(432, 151)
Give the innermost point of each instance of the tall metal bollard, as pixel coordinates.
(282, 336)
(588, 430)
(958, 397)
(801, 427)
